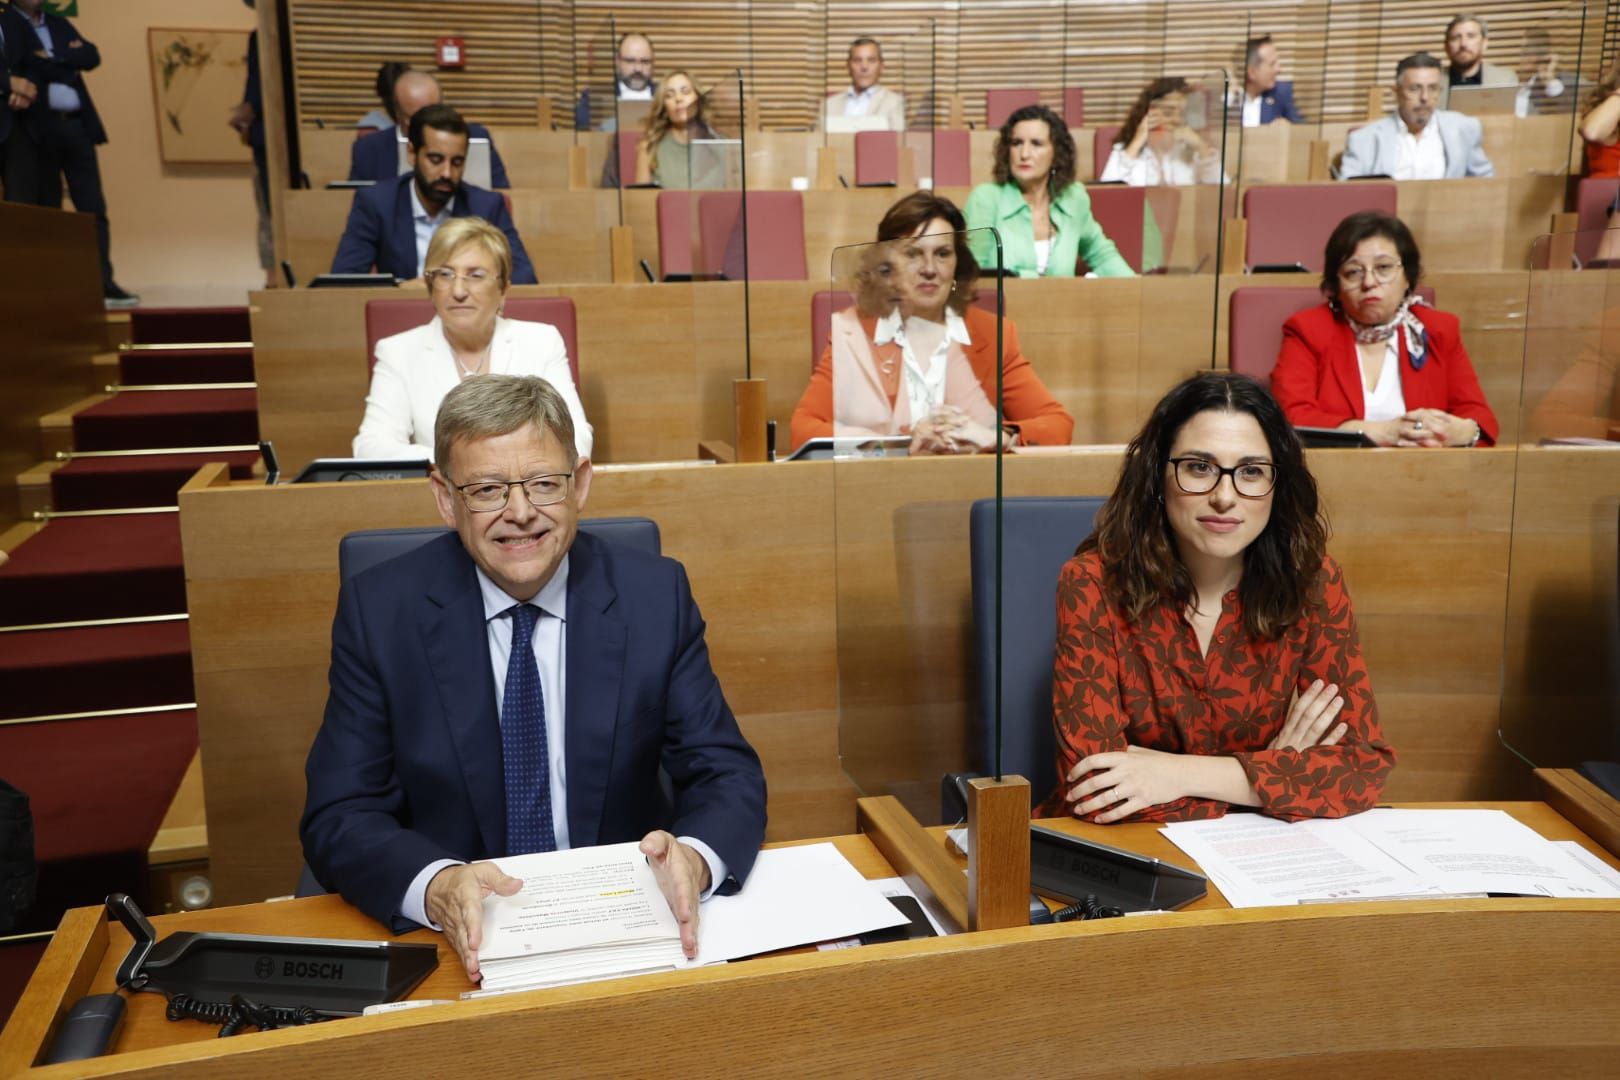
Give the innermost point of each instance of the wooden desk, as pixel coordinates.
(837, 601)
(1410, 988)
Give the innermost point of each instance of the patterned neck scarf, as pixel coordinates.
(1403, 321)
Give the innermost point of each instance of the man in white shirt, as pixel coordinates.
(1266, 98)
(1421, 141)
(866, 105)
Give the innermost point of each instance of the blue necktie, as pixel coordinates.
(524, 754)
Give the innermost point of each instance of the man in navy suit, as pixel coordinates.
(390, 224)
(376, 156)
(520, 640)
(1266, 98)
(57, 135)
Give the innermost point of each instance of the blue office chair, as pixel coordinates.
(360, 551)
(1039, 535)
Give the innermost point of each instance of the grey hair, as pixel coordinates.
(1469, 16)
(1415, 62)
(487, 406)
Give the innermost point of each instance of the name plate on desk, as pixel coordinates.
(330, 470)
(1069, 868)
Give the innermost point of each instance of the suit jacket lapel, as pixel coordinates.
(1346, 364)
(1456, 153)
(457, 645)
(596, 650)
(403, 235)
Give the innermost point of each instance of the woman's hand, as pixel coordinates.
(949, 430)
(1310, 719)
(1436, 427)
(1123, 782)
(1381, 432)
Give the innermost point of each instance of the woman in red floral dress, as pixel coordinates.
(1207, 656)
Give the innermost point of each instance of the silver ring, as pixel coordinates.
(1417, 425)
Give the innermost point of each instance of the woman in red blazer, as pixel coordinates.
(914, 357)
(1373, 359)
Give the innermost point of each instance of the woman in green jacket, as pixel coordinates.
(1043, 215)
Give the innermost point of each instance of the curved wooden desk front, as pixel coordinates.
(1410, 988)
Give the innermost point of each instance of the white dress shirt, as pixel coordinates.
(1251, 110)
(416, 369)
(857, 102)
(550, 644)
(59, 97)
(425, 225)
(923, 385)
(1422, 156)
(1180, 167)
(1043, 255)
(1388, 401)
(628, 93)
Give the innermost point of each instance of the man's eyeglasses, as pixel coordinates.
(1199, 476)
(443, 278)
(488, 496)
(1383, 273)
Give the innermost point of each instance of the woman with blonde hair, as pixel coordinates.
(468, 271)
(664, 155)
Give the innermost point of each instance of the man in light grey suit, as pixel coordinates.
(1420, 141)
(867, 105)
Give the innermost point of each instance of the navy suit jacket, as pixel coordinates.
(5, 86)
(74, 56)
(407, 770)
(1279, 105)
(376, 156)
(381, 234)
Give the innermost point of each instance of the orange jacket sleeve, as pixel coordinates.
(1027, 404)
(813, 416)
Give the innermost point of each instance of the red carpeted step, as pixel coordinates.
(185, 366)
(95, 568)
(90, 668)
(175, 326)
(154, 480)
(169, 418)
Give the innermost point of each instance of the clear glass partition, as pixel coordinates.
(1276, 130)
(905, 401)
(1561, 694)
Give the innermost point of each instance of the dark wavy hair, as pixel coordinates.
(1348, 236)
(918, 209)
(1141, 567)
(1063, 153)
(1158, 88)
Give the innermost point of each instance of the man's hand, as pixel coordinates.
(241, 118)
(683, 876)
(22, 93)
(455, 902)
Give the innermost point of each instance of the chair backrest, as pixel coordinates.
(824, 304)
(1000, 104)
(1102, 144)
(1291, 223)
(624, 144)
(775, 235)
(1074, 106)
(674, 233)
(877, 158)
(1593, 197)
(1038, 535)
(953, 158)
(1254, 331)
(385, 318)
(360, 551)
(1121, 211)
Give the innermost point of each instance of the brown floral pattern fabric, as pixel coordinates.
(1116, 684)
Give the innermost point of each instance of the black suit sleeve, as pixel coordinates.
(361, 244)
(74, 55)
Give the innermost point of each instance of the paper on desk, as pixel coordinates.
(793, 896)
(1478, 851)
(895, 887)
(1600, 869)
(1262, 862)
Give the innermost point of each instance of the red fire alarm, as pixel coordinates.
(452, 52)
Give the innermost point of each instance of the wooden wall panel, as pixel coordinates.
(792, 53)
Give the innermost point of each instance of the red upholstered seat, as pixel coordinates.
(1102, 144)
(1291, 223)
(625, 142)
(877, 158)
(775, 235)
(385, 318)
(1074, 106)
(953, 158)
(825, 303)
(1592, 200)
(1000, 104)
(1121, 212)
(1254, 333)
(675, 231)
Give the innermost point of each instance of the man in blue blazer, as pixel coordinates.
(1265, 97)
(376, 156)
(516, 687)
(390, 224)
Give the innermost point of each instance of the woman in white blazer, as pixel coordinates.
(468, 270)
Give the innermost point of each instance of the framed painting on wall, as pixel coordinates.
(197, 78)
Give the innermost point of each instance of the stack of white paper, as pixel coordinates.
(588, 913)
(1382, 854)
